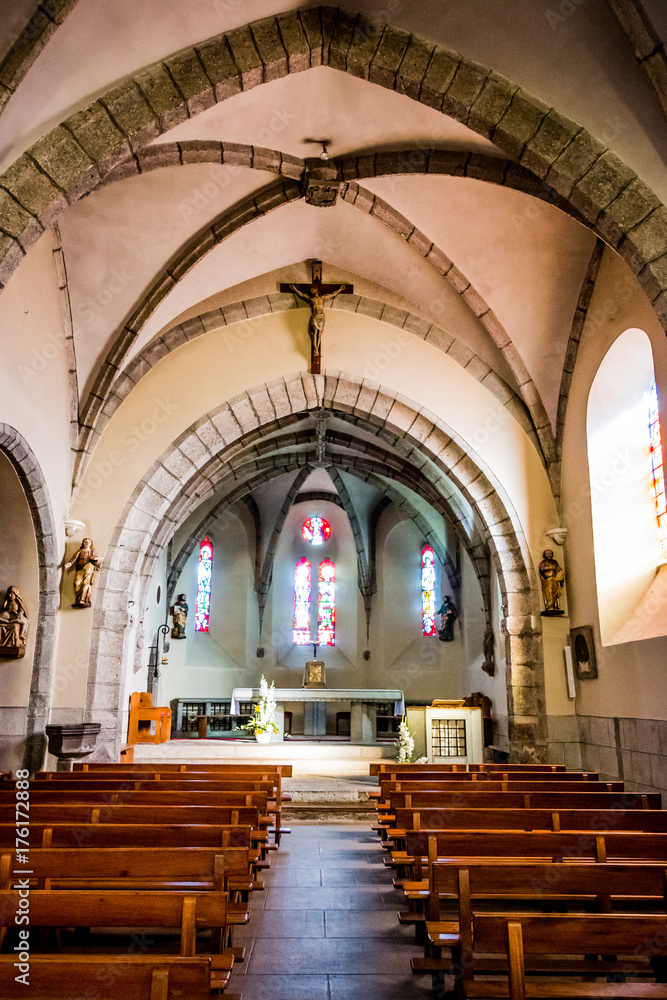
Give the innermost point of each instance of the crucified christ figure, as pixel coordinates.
(316, 300)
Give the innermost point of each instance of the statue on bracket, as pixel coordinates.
(86, 563)
(489, 665)
(179, 617)
(448, 615)
(552, 578)
(13, 625)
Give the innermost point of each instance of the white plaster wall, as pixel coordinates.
(631, 680)
(34, 390)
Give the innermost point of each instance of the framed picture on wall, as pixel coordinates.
(583, 652)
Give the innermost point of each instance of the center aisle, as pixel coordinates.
(326, 925)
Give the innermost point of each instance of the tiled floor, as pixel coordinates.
(326, 926)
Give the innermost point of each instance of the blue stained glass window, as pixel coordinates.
(428, 591)
(204, 573)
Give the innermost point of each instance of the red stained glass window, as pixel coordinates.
(204, 573)
(316, 530)
(302, 592)
(657, 469)
(428, 591)
(326, 604)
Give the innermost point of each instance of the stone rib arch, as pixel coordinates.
(32, 480)
(252, 311)
(146, 522)
(70, 160)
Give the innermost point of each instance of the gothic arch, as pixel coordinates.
(147, 522)
(32, 480)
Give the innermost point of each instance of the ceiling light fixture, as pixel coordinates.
(324, 155)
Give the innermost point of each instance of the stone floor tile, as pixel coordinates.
(373, 987)
(309, 956)
(285, 988)
(281, 924)
(362, 898)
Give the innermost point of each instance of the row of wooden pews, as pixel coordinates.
(528, 881)
(127, 866)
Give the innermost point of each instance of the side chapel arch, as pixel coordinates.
(31, 478)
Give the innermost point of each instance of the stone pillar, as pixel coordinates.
(315, 718)
(363, 715)
(526, 706)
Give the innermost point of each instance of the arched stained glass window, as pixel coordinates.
(657, 469)
(316, 530)
(302, 590)
(428, 591)
(326, 604)
(204, 573)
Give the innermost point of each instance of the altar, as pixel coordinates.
(363, 707)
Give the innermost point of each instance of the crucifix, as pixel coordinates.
(316, 294)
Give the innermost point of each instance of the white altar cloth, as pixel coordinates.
(322, 694)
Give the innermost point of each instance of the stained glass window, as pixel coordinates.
(428, 591)
(302, 589)
(204, 573)
(657, 469)
(326, 604)
(316, 530)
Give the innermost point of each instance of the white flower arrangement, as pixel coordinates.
(262, 719)
(405, 744)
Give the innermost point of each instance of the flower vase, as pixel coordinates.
(263, 737)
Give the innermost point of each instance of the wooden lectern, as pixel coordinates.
(142, 714)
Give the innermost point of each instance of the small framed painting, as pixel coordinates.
(583, 653)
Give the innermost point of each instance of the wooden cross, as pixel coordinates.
(316, 294)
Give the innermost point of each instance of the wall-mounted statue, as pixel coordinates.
(489, 665)
(86, 563)
(448, 615)
(179, 617)
(13, 624)
(552, 578)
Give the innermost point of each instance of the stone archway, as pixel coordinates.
(190, 465)
(32, 480)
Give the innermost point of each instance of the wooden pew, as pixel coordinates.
(519, 934)
(107, 977)
(144, 814)
(380, 766)
(62, 834)
(582, 885)
(596, 820)
(155, 868)
(408, 816)
(258, 800)
(569, 844)
(480, 777)
(189, 912)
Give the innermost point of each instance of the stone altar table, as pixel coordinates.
(363, 707)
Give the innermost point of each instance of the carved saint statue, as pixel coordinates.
(86, 563)
(13, 624)
(489, 665)
(179, 617)
(316, 300)
(448, 615)
(552, 577)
